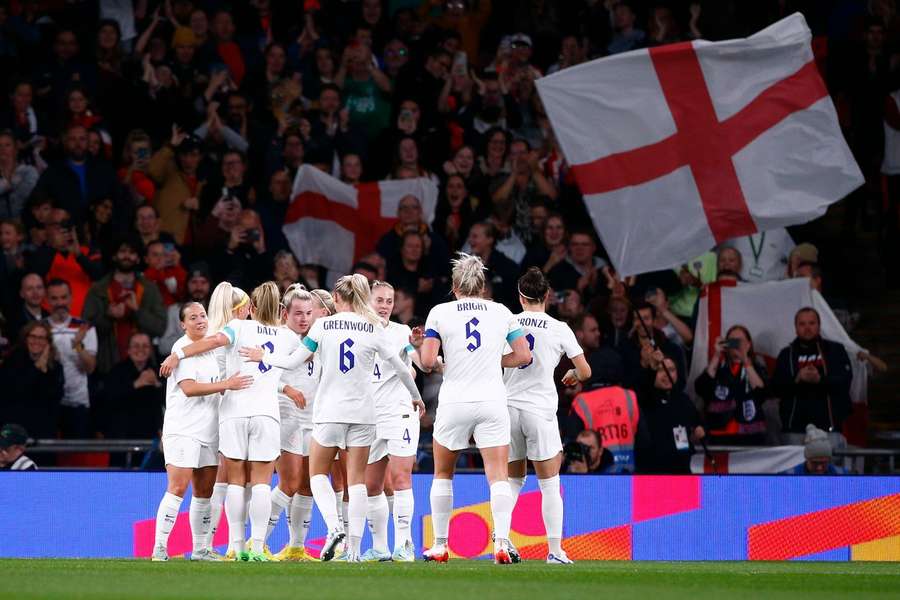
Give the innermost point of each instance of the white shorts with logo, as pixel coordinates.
(250, 438)
(532, 436)
(343, 435)
(188, 453)
(398, 438)
(487, 422)
(295, 436)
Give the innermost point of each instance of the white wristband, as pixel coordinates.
(180, 353)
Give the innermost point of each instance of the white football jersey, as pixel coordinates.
(531, 387)
(261, 398)
(195, 417)
(473, 333)
(391, 398)
(345, 344)
(304, 378)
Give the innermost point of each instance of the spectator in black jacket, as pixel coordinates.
(502, 273)
(646, 346)
(77, 181)
(409, 218)
(669, 424)
(733, 388)
(32, 382)
(32, 294)
(134, 395)
(812, 381)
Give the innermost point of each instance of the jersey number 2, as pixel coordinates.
(530, 339)
(472, 333)
(347, 358)
(263, 367)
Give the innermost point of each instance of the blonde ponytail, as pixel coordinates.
(224, 301)
(468, 275)
(267, 304)
(354, 290)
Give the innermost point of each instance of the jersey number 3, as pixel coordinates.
(263, 367)
(530, 339)
(347, 358)
(472, 333)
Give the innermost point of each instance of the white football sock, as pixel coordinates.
(299, 517)
(345, 515)
(325, 498)
(441, 507)
(390, 501)
(199, 518)
(280, 502)
(501, 509)
(552, 510)
(404, 503)
(248, 493)
(166, 515)
(216, 504)
(260, 509)
(338, 503)
(378, 514)
(356, 510)
(515, 485)
(235, 513)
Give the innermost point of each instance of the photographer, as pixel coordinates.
(586, 454)
(733, 389)
(244, 259)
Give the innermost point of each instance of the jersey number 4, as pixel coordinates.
(347, 359)
(263, 367)
(472, 333)
(530, 339)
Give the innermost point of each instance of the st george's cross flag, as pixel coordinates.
(332, 224)
(681, 147)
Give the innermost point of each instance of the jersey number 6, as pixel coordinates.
(471, 332)
(347, 358)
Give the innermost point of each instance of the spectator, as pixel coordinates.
(468, 19)
(17, 180)
(77, 180)
(243, 259)
(33, 294)
(121, 304)
(617, 329)
(232, 184)
(405, 306)
(198, 288)
(365, 89)
(174, 169)
(817, 454)
(13, 440)
(351, 169)
(812, 381)
(802, 253)
(75, 342)
(581, 270)
(572, 51)
(502, 273)
(456, 212)
(28, 125)
(550, 249)
(65, 258)
(627, 36)
(409, 218)
(135, 164)
(669, 424)
(522, 187)
(134, 396)
(286, 270)
(165, 270)
(32, 382)
(147, 223)
(587, 454)
(411, 272)
(765, 255)
(675, 330)
(646, 347)
(733, 389)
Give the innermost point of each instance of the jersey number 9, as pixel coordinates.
(472, 333)
(347, 358)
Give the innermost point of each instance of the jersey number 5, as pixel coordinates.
(530, 339)
(347, 358)
(472, 333)
(263, 367)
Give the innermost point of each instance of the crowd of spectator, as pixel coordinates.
(148, 150)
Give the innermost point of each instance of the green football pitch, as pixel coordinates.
(469, 580)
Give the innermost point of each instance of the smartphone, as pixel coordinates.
(732, 344)
(252, 235)
(460, 63)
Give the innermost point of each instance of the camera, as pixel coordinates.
(252, 235)
(732, 344)
(575, 452)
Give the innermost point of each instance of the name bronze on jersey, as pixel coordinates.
(348, 325)
(533, 323)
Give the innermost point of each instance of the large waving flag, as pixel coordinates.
(331, 223)
(767, 311)
(680, 147)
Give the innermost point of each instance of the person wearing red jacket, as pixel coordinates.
(165, 270)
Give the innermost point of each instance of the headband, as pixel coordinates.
(527, 297)
(243, 301)
(322, 302)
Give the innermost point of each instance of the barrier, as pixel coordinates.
(111, 514)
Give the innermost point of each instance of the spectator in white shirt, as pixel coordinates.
(765, 255)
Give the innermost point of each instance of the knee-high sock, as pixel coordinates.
(515, 486)
(501, 508)
(248, 493)
(260, 509)
(390, 501)
(166, 515)
(216, 504)
(378, 513)
(357, 512)
(441, 507)
(338, 503)
(299, 517)
(327, 501)
(280, 502)
(404, 503)
(552, 510)
(235, 513)
(199, 516)
(345, 515)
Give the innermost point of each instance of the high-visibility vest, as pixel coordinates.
(613, 413)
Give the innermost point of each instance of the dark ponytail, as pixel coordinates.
(533, 286)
